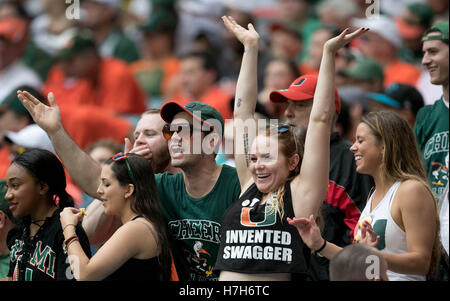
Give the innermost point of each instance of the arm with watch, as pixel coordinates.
(311, 236)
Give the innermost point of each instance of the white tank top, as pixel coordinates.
(392, 237)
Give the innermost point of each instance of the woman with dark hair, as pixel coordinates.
(400, 218)
(139, 249)
(36, 195)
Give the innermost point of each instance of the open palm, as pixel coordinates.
(47, 117)
(246, 36)
(308, 230)
(336, 43)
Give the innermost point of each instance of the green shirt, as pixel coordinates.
(194, 224)
(118, 45)
(4, 265)
(431, 130)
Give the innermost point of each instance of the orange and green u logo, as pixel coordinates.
(270, 217)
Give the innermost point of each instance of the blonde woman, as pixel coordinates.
(257, 243)
(400, 217)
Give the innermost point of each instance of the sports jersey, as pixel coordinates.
(194, 223)
(255, 240)
(41, 258)
(431, 130)
(4, 265)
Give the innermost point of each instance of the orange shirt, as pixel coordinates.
(87, 124)
(116, 89)
(5, 160)
(402, 73)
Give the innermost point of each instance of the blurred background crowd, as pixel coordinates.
(108, 61)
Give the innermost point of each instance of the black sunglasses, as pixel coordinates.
(283, 128)
(170, 129)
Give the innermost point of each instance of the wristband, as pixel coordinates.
(317, 252)
(68, 241)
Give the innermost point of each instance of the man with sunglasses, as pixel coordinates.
(347, 190)
(193, 201)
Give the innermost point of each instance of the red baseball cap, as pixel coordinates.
(13, 29)
(303, 88)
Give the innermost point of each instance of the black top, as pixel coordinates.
(41, 258)
(255, 240)
(138, 269)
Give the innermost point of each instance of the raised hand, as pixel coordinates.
(336, 43)
(308, 230)
(247, 37)
(47, 117)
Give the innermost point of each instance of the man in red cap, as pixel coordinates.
(347, 190)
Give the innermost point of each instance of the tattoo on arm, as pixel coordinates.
(239, 102)
(247, 156)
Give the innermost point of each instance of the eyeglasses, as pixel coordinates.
(283, 128)
(170, 129)
(120, 156)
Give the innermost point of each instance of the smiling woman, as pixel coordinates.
(127, 189)
(278, 179)
(36, 195)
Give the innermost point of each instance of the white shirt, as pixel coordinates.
(15, 75)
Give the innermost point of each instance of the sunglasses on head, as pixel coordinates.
(283, 128)
(122, 156)
(170, 129)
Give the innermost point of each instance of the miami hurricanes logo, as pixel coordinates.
(270, 216)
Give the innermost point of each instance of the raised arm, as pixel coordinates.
(246, 97)
(310, 186)
(81, 167)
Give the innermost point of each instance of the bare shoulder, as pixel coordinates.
(413, 193)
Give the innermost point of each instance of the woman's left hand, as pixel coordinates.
(368, 236)
(70, 216)
(336, 43)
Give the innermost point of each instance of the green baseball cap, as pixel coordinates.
(365, 69)
(75, 45)
(4, 206)
(161, 21)
(442, 28)
(198, 110)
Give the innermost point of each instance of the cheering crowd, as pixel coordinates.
(196, 140)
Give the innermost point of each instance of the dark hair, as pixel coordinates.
(145, 201)
(46, 168)
(292, 66)
(432, 30)
(208, 59)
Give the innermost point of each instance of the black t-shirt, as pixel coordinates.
(41, 258)
(254, 240)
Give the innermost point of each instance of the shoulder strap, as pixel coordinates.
(151, 230)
